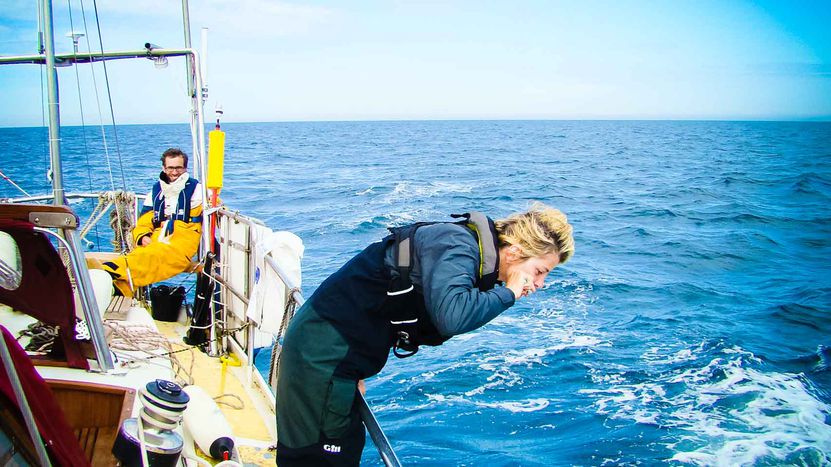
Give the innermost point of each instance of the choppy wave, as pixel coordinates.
(405, 191)
(690, 328)
(723, 406)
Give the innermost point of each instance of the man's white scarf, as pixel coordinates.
(170, 193)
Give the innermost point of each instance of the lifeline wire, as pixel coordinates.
(13, 183)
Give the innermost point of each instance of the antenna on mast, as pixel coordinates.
(219, 113)
(75, 36)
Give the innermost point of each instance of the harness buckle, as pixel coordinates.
(403, 347)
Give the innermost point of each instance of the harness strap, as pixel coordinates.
(181, 209)
(403, 251)
(484, 228)
(403, 320)
(189, 219)
(402, 317)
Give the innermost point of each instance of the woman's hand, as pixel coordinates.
(362, 387)
(521, 283)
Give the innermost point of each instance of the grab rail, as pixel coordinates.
(377, 434)
(95, 324)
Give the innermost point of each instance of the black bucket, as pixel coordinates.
(166, 301)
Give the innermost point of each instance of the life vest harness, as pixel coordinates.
(403, 309)
(182, 209)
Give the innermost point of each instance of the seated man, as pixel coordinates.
(168, 230)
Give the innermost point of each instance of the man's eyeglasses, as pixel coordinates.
(175, 169)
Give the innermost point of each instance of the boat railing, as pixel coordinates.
(106, 201)
(150, 52)
(236, 238)
(39, 198)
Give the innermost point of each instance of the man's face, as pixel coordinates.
(174, 167)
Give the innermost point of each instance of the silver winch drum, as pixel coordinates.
(162, 405)
(163, 447)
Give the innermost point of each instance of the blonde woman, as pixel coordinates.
(421, 285)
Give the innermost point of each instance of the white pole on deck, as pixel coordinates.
(204, 55)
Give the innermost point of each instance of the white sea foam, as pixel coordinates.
(529, 405)
(516, 406)
(732, 414)
(369, 190)
(500, 371)
(410, 190)
(655, 356)
(390, 219)
(781, 417)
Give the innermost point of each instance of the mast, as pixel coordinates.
(198, 94)
(53, 104)
(186, 24)
(70, 235)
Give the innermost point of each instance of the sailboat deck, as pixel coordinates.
(249, 416)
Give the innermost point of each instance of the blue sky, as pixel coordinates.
(378, 60)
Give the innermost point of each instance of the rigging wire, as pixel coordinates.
(81, 106)
(118, 214)
(13, 183)
(109, 97)
(78, 86)
(41, 50)
(97, 96)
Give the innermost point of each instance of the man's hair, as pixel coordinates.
(175, 152)
(539, 231)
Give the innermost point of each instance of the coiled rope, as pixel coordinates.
(41, 337)
(121, 218)
(129, 337)
(141, 338)
(122, 221)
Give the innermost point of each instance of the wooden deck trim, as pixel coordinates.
(20, 212)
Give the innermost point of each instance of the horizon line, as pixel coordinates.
(817, 119)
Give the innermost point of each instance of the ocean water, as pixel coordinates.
(692, 326)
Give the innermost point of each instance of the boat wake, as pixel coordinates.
(724, 407)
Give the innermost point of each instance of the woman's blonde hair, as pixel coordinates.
(539, 231)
